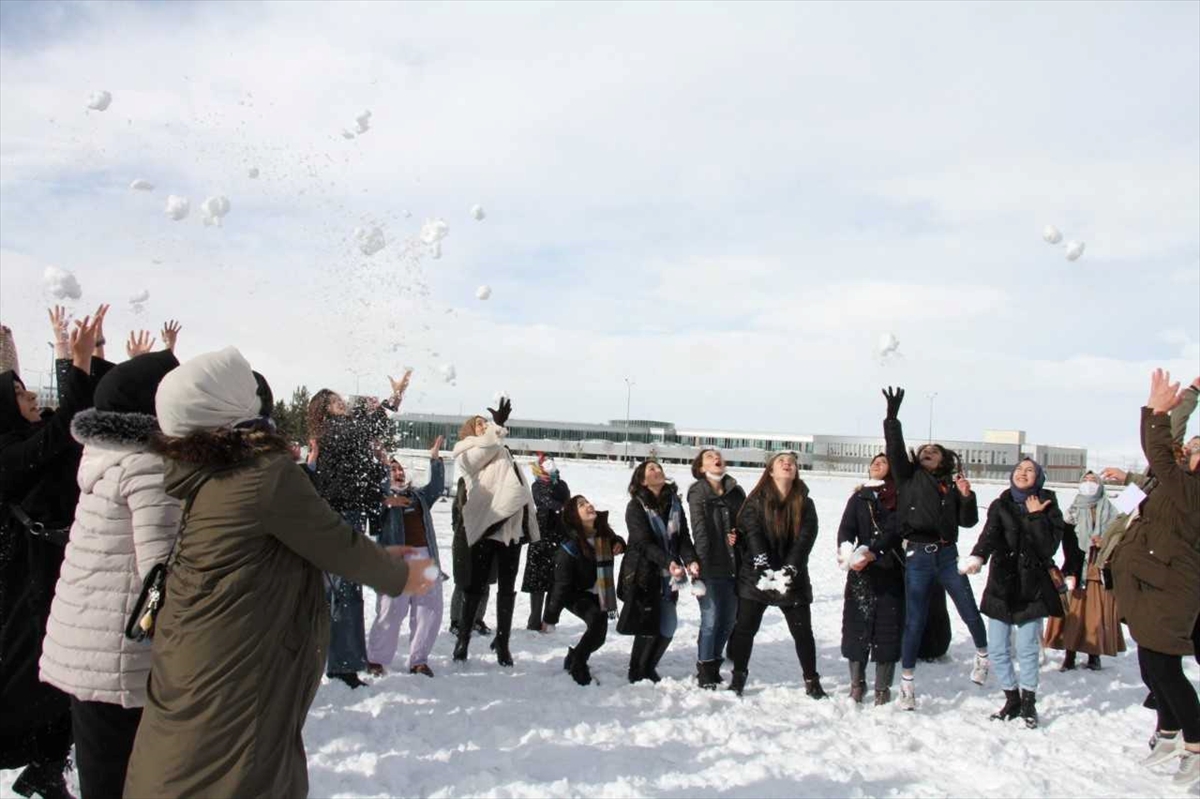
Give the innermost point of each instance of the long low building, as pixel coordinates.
(992, 457)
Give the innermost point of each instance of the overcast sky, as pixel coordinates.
(728, 204)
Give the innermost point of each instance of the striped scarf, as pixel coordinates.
(667, 533)
(606, 585)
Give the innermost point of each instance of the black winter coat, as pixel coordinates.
(765, 549)
(1020, 546)
(932, 509)
(349, 476)
(873, 606)
(549, 497)
(575, 569)
(640, 586)
(714, 516)
(38, 466)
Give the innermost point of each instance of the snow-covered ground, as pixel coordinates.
(478, 730)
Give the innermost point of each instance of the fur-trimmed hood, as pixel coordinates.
(117, 430)
(194, 457)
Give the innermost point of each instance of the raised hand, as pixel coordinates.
(82, 342)
(139, 343)
(1164, 395)
(1035, 505)
(60, 327)
(894, 398)
(101, 312)
(500, 415)
(170, 334)
(401, 385)
(963, 485)
(1112, 474)
(436, 450)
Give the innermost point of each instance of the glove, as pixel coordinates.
(894, 398)
(501, 415)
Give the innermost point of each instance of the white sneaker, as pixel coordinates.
(979, 673)
(908, 695)
(1189, 769)
(1164, 750)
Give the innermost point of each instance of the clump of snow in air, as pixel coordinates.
(215, 209)
(347, 134)
(433, 231)
(61, 284)
(252, 172)
(99, 101)
(141, 185)
(482, 293)
(850, 556)
(477, 213)
(889, 346)
(137, 303)
(448, 373)
(1051, 234)
(967, 561)
(177, 207)
(369, 239)
(775, 580)
(362, 122)
(1074, 250)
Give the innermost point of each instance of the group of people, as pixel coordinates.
(174, 582)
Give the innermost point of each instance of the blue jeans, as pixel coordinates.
(718, 611)
(347, 632)
(922, 570)
(668, 618)
(1029, 635)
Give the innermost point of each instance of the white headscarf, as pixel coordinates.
(210, 391)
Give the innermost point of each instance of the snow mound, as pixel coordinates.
(61, 284)
(177, 207)
(214, 209)
(483, 292)
(369, 239)
(99, 101)
(1074, 250)
(141, 185)
(1051, 234)
(477, 213)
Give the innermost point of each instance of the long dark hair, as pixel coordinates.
(574, 525)
(318, 412)
(950, 466)
(783, 514)
(661, 503)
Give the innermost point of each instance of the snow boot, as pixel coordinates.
(908, 693)
(979, 672)
(1165, 748)
(534, 622)
(738, 683)
(44, 779)
(505, 603)
(1068, 663)
(1012, 706)
(637, 657)
(1093, 663)
(579, 669)
(858, 681)
(708, 674)
(469, 610)
(1029, 709)
(569, 659)
(883, 696)
(812, 687)
(653, 655)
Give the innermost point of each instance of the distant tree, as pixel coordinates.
(282, 414)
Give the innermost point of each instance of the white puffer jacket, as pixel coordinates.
(496, 489)
(124, 525)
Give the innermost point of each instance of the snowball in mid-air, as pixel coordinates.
(61, 284)
(214, 209)
(483, 292)
(1074, 250)
(252, 172)
(888, 344)
(362, 122)
(177, 207)
(139, 298)
(141, 185)
(99, 101)
(1051, 234)
(347, 134)
(478, 213)
(433, 231)
(448, 372)
(369, 239)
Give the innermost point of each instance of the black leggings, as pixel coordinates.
(507, 560)
(1178, 706)
(104, 736)
(799, 621)
(587, 607)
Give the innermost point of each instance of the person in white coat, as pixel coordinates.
(499, 516)
(125, 524)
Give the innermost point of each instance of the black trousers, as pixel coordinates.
(1178, 706)
(749, 618)
(587, 607)
(104, 736)
(508, 562)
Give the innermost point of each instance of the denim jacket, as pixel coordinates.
(392, 530)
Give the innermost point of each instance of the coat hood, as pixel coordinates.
(11, 420)
(131, 431)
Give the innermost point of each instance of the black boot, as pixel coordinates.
(579, 668)
(1029, 708)
(812, 687)
(1012, 706)
(536, 600)
(469, 609)
(858, 681)
(738, 683)
(46, 779)
(1093, 663)
(569, 659)
(351, 678)
(504, 613)
(654, 654)
(1068, 663)
(708, 674)
(637, 657)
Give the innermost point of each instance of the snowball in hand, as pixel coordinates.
(141, 185)
(370, 240)
(967, 562)
(177, 207)
(431, 573)
(214, 209)
(1074, 250)
(61, 284)
(478, 213)
(99, 101)
(775, 580)
(1051, 234)
(483, 292)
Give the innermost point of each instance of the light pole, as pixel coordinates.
(931, 398)
(629, 384)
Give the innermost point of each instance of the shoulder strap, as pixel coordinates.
(187, 510)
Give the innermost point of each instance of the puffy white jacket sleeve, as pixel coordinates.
(481, 450)
(155, 515)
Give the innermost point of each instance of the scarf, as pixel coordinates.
(1092, 515)
(606, 586)
(667, 532)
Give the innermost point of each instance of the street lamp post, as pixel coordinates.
(629, 384)
(931, 398)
